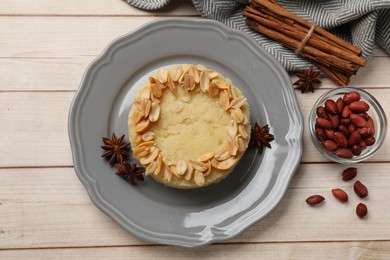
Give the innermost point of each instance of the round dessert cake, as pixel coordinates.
(189, 126)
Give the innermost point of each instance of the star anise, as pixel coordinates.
(260, 136)
(130, 171)
(115, 148)
(307, 79)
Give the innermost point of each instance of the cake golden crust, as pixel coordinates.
(189, 126)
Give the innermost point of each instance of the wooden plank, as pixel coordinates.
(34, 129)
(32, 37)
(40, 74)
(91, 7)
(50, 208)
(321, 250)
(19, 74)
(35, 124)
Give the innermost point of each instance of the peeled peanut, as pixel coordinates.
(356, 150)
(340, 139)
(369, 140)
(334, 120)
(370, 125)
(329, 145)
(329, 133)
(331, 107)
(346, 112)
(340, 104)
(351, 97)
(344, 130)
(344, 153)
(358, 120)
(320, 133)
(354, 138)
(321, 122)
(320, 111)
(358, 107)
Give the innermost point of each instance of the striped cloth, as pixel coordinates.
(365, 23)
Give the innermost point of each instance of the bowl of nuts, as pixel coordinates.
(347, 125)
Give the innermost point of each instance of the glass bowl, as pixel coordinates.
(375, 112)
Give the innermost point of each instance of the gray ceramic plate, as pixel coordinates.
(150, 210)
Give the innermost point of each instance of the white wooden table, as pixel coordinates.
(45, 212)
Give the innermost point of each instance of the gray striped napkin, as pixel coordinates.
(365, 23)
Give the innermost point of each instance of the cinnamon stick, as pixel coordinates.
(314, 41)
(277, 9)
(293, 45)
(338, 59)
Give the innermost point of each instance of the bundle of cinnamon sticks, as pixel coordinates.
(337, 58)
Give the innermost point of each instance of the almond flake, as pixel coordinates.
(146, 105)
(150, 158)
(189, 82)
(237, 115)
(174, 171)
(148, 136)
(212, 74)
(204, 82)
(221, 84)
(163, 75)
(151, 168)
(181, 167)
(167, 174)
(213, 89)
(142, 126)
(141, 151)
(206, 157)
(199, 166)
(137, 138)
(199, 178)
(214, 163)
(156, 90)
(159, 163)
(241, 146)
(208, 172)
(242, 131)
(238, 102)
(233, 129)
(178, 73)
(172, 86)
(154, 112)
(227, 164)
(224, 100)
(145, 93)
(245, 120)
(189, 172)
(138, 105)
(232, 147)
(233, 92)
(194, 73)
(147, 144)
(223, 155)
(136, 116)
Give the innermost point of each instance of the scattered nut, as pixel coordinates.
(361, 210)
(349, 173)
(360, 189)
(340, 195)
(314, 199)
